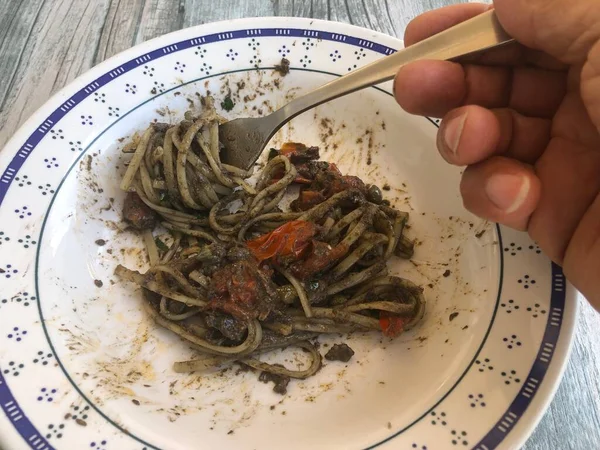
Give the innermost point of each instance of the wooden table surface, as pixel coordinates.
(44, 44)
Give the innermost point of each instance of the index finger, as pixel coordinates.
(438, 20)
(433, 22)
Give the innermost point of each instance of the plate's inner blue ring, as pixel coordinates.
(9, 404)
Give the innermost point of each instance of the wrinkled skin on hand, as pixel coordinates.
(525, 121)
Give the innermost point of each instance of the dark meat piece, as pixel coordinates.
(211, 254)
(138, 214)
(281, 381)
(299, 153)
(343, 183)
(215, 337)
(321, 257)
(316, 290)
(230, 327)
(238, 254)
(339, 352)
(283, 67)
(328, 180)
(243, 289)
(312, 168)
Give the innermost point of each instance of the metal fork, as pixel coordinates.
(244, 139)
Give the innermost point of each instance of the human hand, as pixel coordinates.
(525, 120)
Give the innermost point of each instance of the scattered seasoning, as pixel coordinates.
(389, 425)
(447, 273)
(135, 402)
(452, 316)
(465, 327)
(230, 432)
(481, 233)
(283, 68)
(81, 422)
(227, 104)
(272, 407)
(386, 187)
(430, 285)
(100, 242)
(98, 283)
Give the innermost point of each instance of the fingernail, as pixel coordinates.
(507, 191)
(453, 129)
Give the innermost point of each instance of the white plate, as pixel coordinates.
(82, 367)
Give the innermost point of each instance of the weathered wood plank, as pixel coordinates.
(204, 11)
(51, 56)
(160, 17)
(120, 28)
(16, 26)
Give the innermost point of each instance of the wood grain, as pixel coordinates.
(44, 44)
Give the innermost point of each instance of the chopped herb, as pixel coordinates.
(227, 104)
(161, 245)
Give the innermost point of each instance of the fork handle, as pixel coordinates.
(482, 32)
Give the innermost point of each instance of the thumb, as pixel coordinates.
(565, 29)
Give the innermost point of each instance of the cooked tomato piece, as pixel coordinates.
(306, 200)
(242, 289)
(392, 325)
(290, 239)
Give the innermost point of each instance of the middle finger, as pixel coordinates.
(432, 88)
